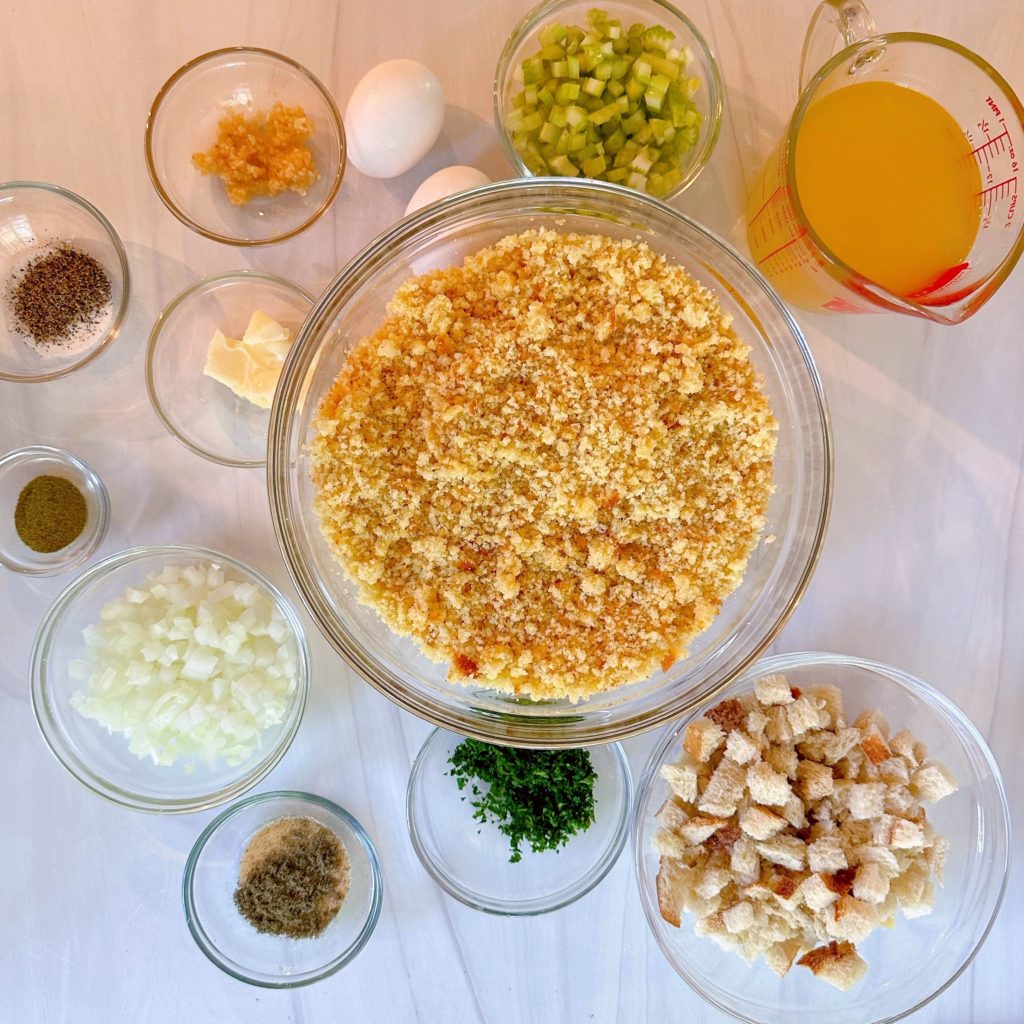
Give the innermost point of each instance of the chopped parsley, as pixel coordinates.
(541, 797)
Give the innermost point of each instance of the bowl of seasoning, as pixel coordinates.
(213, 360)
(517, 832)
(245, 146)
(169, 679)
(64, 281)
(282, 889)
(54, 511)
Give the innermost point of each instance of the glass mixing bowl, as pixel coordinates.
(440, 236)
(909, 964)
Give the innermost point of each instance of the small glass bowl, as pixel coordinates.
(470, 859)
(523, 43)
(19, 467)
(184, 119)
(101, 760)
(207, 417)
(908, 965)
(33, 217)
(273, 961)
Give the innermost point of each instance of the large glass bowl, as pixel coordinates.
(909, 964)
(442, 235)
(102, 760)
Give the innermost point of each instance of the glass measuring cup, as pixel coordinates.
(784, 243)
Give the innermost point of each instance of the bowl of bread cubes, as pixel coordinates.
(827, 839)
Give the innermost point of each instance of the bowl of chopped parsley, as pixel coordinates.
(517, 832)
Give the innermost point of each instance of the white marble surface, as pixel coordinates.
(923, 567)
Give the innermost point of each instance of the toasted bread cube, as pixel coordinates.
(871, 883)
(702, 739)
(899, 800)
(760, 823)
(740, 748)
(794, 812)
(738, 918)
(838, 963)
(826, 855)
(830, 700)
(915, 892)
(814, 780)
(932, 781)
(682, 778)
(786, 851)
(783, 758)
(816, 894)
(744, 861)
(728, 715)
(768, 786)
(936, 855)
(872, 720)
(756, 722)
(894, 772)
(779, 956)
(773, 690)
(674, 883)
(850, 918)
(855, 832)
(874, 746)
(906, 835)
(710, 925)
(711, 882)
(880, 855)
(902, 744)
(672, 814)
(850, 766)
(724, 789)
(866, 800)
(840, 744)
(804, 714)
(670, 844)
(778, 730)
(700, 827)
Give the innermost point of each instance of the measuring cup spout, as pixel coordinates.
(834, 21)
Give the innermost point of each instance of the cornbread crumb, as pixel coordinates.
(261, 155)
(549, 465)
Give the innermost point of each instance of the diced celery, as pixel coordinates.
(635, 89)
(661, 66)
(553, 33)
(632, 124)
(620, 67)
(617, 174)
(642, 72)
(654, 100)
(567, 92)
(572, 64)
(594, 86)
(530, 96)
(657, 37)
(564, 166)
(562, 145)
(615, 89)
(560, 68)
(615, 142)
(576, 117)
(558, 116)
(519, 100)
(643, 161)
(545, 97)
(594, 166)
(552, 52)
(533, 70)
(549, 133)
(532, 122)
(637, 180)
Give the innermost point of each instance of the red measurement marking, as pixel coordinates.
(988, 147)
(842, 306)
(1000, 190)
(947, 277)
(768, 201)
(786, 245)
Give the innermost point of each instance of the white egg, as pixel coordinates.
(393, 118)
(446, 182)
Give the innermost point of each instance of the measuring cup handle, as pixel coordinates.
(849, 20)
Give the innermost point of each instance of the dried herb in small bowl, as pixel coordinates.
(542, 797)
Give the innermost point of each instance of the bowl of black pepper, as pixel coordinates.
(64, 282)
(282, 889)
(54, 511)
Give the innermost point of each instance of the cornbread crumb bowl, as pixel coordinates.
(908, 964)
(442, 236)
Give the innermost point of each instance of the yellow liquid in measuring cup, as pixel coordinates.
(889, 183)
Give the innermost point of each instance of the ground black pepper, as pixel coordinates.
(50, 513)
(293, 878)
(59, 296)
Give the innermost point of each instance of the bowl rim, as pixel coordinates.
(511, 729)
(126, 279)
(531, 22)
(53, 735)
(35, 451)
(194, 921)
(540, 904)
(779, 663)
(154, 175)
(156, 333)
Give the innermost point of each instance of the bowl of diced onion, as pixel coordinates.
(626, 91)
(170, 679)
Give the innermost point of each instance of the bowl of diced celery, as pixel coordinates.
(627, 92)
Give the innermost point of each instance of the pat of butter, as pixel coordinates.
(250, 366)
